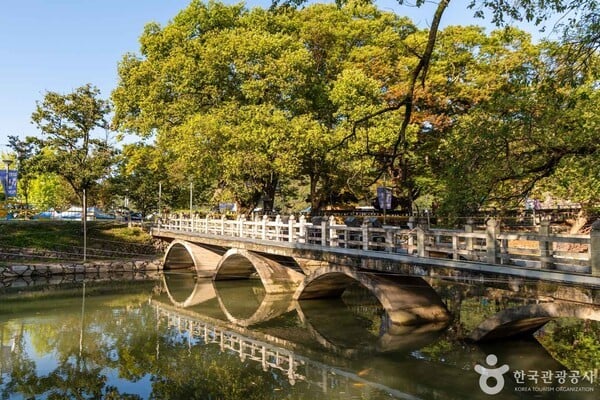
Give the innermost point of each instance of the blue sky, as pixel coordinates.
(59, 45)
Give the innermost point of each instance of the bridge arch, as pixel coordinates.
(528, 319)
(182, 255)
(271, 306)
(195, 291)
(406, 300)
(243, 264)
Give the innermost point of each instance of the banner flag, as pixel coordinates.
(384, 197)
(10, 184)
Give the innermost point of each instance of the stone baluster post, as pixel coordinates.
(594, 248)
(491, 246)
(455, 246)
(278, 224)
(333, 237)
(422, 233)
(302, 229)
(242, 226)
(365, 234)
(292, 229)
(324, 231)
(469, 240)
(222, 225)
(265, 219)
(410, 244)
(421, 252)
(389, 239)
(545, 245)
(237, 223)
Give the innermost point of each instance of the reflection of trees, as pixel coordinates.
(23, 375)
(124, 336)
(124, 339)
(81, 373)
(573, 342)
(204, 372)
(75, 377)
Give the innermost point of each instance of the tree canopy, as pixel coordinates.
(327, 101)
(68, 147)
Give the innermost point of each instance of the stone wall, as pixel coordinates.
(97, 267)
(108, 251)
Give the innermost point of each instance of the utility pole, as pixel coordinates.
(84, 217)
(159, 213)
(191, 198)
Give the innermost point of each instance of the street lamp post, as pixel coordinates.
(127, 207)
(191, 198)
(159, 199)
(84, 221)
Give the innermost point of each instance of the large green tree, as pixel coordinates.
(340, 98)
(245, 99)
(537, 131)
(581, 33)
(69, 147)
(141, 171)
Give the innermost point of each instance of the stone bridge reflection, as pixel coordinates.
(363, 326)
(346, 339)
(405, 303)
(296, 367)
(315, 353)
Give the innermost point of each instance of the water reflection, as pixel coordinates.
(121, 345)
(245, 303)
(185, 289)
(357, 323)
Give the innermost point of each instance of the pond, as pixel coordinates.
(178, 337)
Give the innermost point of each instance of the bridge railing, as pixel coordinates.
(542, 249)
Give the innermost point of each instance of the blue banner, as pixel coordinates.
(384, 196)
(10, 184)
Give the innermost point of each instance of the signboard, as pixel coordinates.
(384, 197)
(10, 184)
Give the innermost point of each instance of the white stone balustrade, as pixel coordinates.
(572, 253)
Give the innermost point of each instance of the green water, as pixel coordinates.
(232, 341)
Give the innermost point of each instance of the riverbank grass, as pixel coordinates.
(56, 235)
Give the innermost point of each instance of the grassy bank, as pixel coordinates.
(67, 237)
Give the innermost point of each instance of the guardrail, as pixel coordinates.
(542, 249)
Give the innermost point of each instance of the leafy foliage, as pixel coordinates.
(253, 104)
(68, 148)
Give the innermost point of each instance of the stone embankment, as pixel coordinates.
(29, 264)
(96, 267)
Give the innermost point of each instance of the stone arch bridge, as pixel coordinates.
(399, 284)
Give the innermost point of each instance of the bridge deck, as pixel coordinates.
(382, 260)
